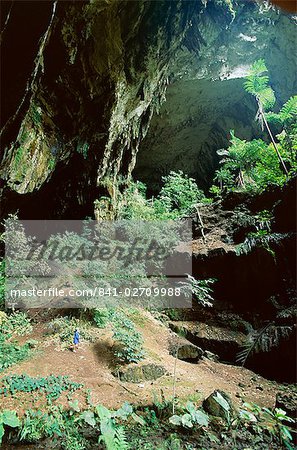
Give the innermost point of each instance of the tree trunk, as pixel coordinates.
(283, 166)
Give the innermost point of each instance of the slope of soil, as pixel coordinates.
(92, 365)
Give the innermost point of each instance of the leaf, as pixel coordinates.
(88, 417)
(175, 420)
(74, 405)
(247, 415)
(138, 419)
(289, 109)
(1, 432)
(124, 411)
(187, 420)
(10, 418)
(222, 402)
(103, 412)
(201, 418)
(191, 408)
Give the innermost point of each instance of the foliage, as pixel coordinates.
(251, 165)
(12, 353)
(101, 317)
(192, 417)
(180, 193)
(64, 328)
(263, 419)
(8, 418)
(287, 113)
(16, 323)
(200, 289)
(254, 165)
(128, 199)
(129, 340)
(257, 84)
(263, 340)
(53, 386)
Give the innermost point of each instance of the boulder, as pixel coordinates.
(185, 350)
(224, 342)
(138, 373)
(218, 404)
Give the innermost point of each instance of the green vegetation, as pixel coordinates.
(191, 418)
(62, 329)
(8, 418)
(11, 352)
(129, 340)
(53, 386)
(200, 290)
(254, 165)
(271, 421)
(150, 427)
(128, 200)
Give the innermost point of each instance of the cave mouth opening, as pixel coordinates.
(194, 122)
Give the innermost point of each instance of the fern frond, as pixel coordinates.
(120, 440)
(267, 98)
(258, 67)
(289, 109)
(263, 340)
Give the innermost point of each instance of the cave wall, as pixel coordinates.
(206, 99)
(84, 80)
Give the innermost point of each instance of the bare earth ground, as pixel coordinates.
(91, 365)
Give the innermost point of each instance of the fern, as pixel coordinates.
(120, 439)
(263, 340)
(257, 84)
(289, 110)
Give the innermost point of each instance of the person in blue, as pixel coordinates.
(76, 339)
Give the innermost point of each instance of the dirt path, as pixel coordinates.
(92, 366)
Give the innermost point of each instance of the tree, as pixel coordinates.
(257, 84)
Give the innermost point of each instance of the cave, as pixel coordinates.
(181, 111)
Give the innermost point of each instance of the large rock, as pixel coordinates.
(184, 350)
(144, 372)
(221, 341)
(213, 404)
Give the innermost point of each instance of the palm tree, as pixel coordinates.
(257, 84)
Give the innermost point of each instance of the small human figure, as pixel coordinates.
(76, 339)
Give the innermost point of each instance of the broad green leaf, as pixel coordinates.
(74, 405)
(191, 408)
(222, 402)
(103, 412)
(124, 411)
(187, 420)
(175, 420)
(88, 417)
(201, 418)
(10, 418)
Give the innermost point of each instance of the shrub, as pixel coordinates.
(53, 386)
(63, 328)
(129, 340)
(180, 193)
(101, 317)
(12, 353)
